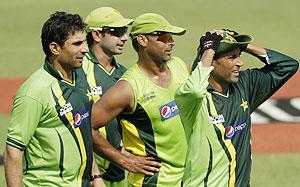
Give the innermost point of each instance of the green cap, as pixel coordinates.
(105, 17)
(229, 42)
(150, 22)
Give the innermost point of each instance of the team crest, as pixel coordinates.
(244, 104)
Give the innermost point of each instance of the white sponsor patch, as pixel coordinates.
(217, 119)
(97, 90)
(65, 109)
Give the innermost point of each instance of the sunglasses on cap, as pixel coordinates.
(116, 31)
(164, 37)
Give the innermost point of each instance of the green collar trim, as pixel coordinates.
(54, 72)
(50, 69)
(92, 57)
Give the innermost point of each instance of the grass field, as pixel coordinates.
(272, 23)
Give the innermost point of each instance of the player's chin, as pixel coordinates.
(234, 79)
(118, 52)
(167, 57)
(77, 64)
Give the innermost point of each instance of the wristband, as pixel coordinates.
(93, 177)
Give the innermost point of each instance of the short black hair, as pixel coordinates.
(89, 38)
(58, 27)
(135, 44)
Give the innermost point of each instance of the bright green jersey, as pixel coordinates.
(51, 124)
(218, 127)
(155, 127)
(100, 80)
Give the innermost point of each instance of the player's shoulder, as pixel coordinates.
(38, 85)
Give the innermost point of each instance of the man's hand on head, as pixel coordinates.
(211, 40)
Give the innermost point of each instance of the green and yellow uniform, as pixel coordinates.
(51, 124)
(100, 80)
(155, 128)
(218, 127)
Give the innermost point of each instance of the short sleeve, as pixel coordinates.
(25, 118)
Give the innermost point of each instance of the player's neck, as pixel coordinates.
(159, 74)
(219, 86)
(103, 58)
(66, 72)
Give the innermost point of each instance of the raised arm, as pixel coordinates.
(265, 81)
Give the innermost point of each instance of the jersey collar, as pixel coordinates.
(211, 89)
(52, 71)
(92, 57)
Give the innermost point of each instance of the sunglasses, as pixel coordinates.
(164, 37)
(116, 31)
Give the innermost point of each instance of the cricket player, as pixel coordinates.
(216, 103)
(49, 140)
(106, 36)
(144, 97)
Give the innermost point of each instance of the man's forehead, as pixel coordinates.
(77, 36)
(234, 51)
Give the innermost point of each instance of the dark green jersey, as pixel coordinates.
(219, 126)
(51, 124)
(155, 128)
(100, 80)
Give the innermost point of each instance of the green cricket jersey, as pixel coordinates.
(218, 127)
(100, 81)
(154, 127)
(51, 124)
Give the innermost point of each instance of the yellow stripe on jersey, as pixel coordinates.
(135, 145)
(69, 116)
(227, 142)
(92, 81)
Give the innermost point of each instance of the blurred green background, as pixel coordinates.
(273, 24)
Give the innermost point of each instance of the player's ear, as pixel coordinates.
(142, 40)
(54, 48)
(96, 35)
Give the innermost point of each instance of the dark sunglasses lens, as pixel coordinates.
(119, 31)
(165, 37)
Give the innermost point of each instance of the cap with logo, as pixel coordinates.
(151, 22)
(229, 42)
(105, 17)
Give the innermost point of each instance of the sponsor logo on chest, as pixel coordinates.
(80, 117)
(147, 97)
(97, 90)
(236, 129)
(217, 119)
(168, 110)
(65, 109)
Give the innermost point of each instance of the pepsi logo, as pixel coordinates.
(229, 132)
(77, 120)
(166, 112)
